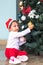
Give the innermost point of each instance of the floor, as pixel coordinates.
(33, 60)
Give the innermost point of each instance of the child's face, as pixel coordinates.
(14, 27)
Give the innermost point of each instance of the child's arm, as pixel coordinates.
(23, 33)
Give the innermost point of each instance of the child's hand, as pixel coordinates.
(30, 25)
(22, 39)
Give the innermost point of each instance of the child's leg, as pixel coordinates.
(22, 55)
(9, 52)
(11, 55)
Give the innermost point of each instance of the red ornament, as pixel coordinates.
(27, 10)
(41, 0)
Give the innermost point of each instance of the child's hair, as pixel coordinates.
(12, 22)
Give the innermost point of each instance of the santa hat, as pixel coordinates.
(8, 22)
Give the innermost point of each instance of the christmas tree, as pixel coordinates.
(32, 11)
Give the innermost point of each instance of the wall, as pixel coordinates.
(7, 10)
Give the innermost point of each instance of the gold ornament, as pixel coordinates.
(30, 23)
(20, 3)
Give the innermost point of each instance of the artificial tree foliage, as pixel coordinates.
(34, 40)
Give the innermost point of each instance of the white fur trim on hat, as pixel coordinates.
(10, 23)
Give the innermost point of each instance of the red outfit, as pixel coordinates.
(14, 52)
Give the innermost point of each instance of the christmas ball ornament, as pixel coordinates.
(37, 16)
(20, 21)
(20, 3)
(22, 27)
(19, 15)
(23, 18)
(30, 23)
(38, 2)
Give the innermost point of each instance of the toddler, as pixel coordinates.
(15, 39)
